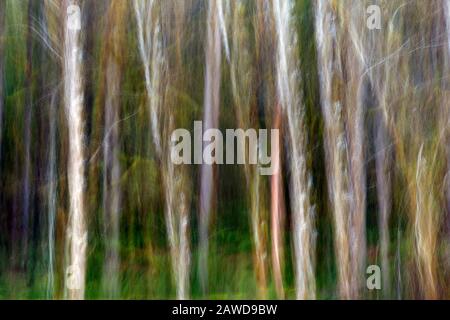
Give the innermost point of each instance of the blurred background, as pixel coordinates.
(92, 207)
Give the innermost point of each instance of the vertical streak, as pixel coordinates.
(277, 211)
(243, 78)
(288, 86)
(51, 196)
(26, 187)
(177, 225)
(74, 100)
(335, 141)
(111, 148)
(380, 83)
(210, 120)
(148, 33)
(111, 180)
(2, 66)
(383, 181)
(176, 177)
(355, 60)
(446, 111)
(155, 60)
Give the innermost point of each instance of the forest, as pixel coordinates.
(92, 205)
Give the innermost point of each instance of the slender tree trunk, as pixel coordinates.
(355, 60)
(74, 105)
(335, 141)
(52, 190)
(243, 76)
(2, 67)
(28, 110)
(210, 120)
(2, 107)
(342, 65)
(383, 164)
(111, 148)
(111, 182)
(150, 24)
(288, 86)
(446, 116)
(176, 179)
(277, 211)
